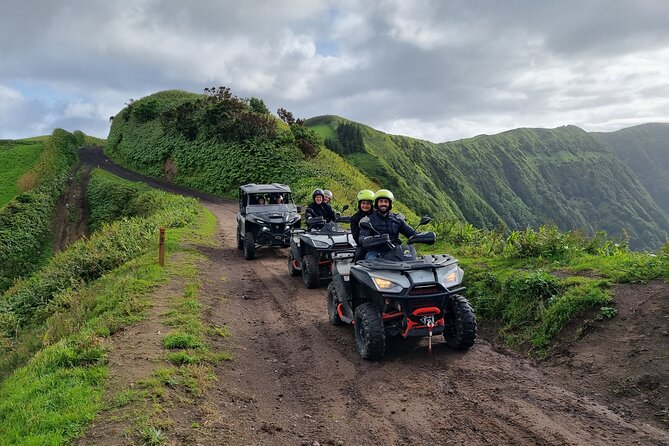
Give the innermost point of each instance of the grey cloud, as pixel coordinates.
(459, 66)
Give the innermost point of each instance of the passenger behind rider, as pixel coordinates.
(327, 196)
(384, 222)
(318, 207)
(365, 208)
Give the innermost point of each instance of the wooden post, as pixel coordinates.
(161, 248)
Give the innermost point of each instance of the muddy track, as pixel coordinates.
(296, 379)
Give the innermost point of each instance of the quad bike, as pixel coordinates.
(400, 294)
(311, 250)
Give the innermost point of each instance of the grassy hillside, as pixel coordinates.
(55, 325)
(519, 178)
(215, 143)
(645, 149)
(24, 221)
(16, 158)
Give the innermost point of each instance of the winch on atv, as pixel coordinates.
(312, 250)
(400, 294)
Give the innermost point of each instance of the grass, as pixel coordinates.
(16, 158)
(530, 285)
(58, 386)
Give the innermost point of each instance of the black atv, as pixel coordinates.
(266, 217)
(312, 250)
(400, 295)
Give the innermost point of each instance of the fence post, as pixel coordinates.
(161, 248)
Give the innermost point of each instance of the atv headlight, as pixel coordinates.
(320, 244)
(452, 278)
(264, 228)
(386, 285)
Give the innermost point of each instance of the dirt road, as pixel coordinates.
(295, 379)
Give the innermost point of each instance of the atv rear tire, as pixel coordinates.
(249, 246)
(333, 303)
(460, 332)
(291, 269)
(370, 338)
(310, 271)
(240, 242)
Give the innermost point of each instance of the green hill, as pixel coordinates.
(645, 149)
(16, 158)
(519, 178)
(215, 142)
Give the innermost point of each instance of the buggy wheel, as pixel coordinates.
(291, 268)
(370, 339)
(310, 271)
(460, 330)
(249, 246)
(333, 302)
(240, 242)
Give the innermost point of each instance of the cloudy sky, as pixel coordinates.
(439, 70)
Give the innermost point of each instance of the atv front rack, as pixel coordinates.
(424, 262)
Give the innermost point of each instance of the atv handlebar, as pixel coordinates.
(427, 238)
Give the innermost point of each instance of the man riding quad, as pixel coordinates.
(384, 222)
(365, 208)
(395, 293)
(318, 207)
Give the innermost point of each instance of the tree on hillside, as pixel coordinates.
(306, 139)
(223, 116)
(347, 139)
(258, 106)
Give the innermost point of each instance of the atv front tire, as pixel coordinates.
(310, 271)
(461, 327)
(249, 246)
(291, 268)
(370, 338)
(333, 303)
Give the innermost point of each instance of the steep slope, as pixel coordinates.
(519, 178)
(645, 149)
(564, 175)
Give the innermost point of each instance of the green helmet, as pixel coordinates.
(365, 194)
(384, 193)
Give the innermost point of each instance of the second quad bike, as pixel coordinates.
(312, 250)
(266, 217)
(400, 295)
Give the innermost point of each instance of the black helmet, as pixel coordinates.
(317, 192)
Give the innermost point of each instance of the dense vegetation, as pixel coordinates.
(53, 324)
(530, 284)
(516, 179)
(24, 221)
(16, 157)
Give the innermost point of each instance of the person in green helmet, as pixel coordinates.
(365, 207)
(385, 222)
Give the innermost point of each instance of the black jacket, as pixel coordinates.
(320, 210)
(389, 224)
(355, 223)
